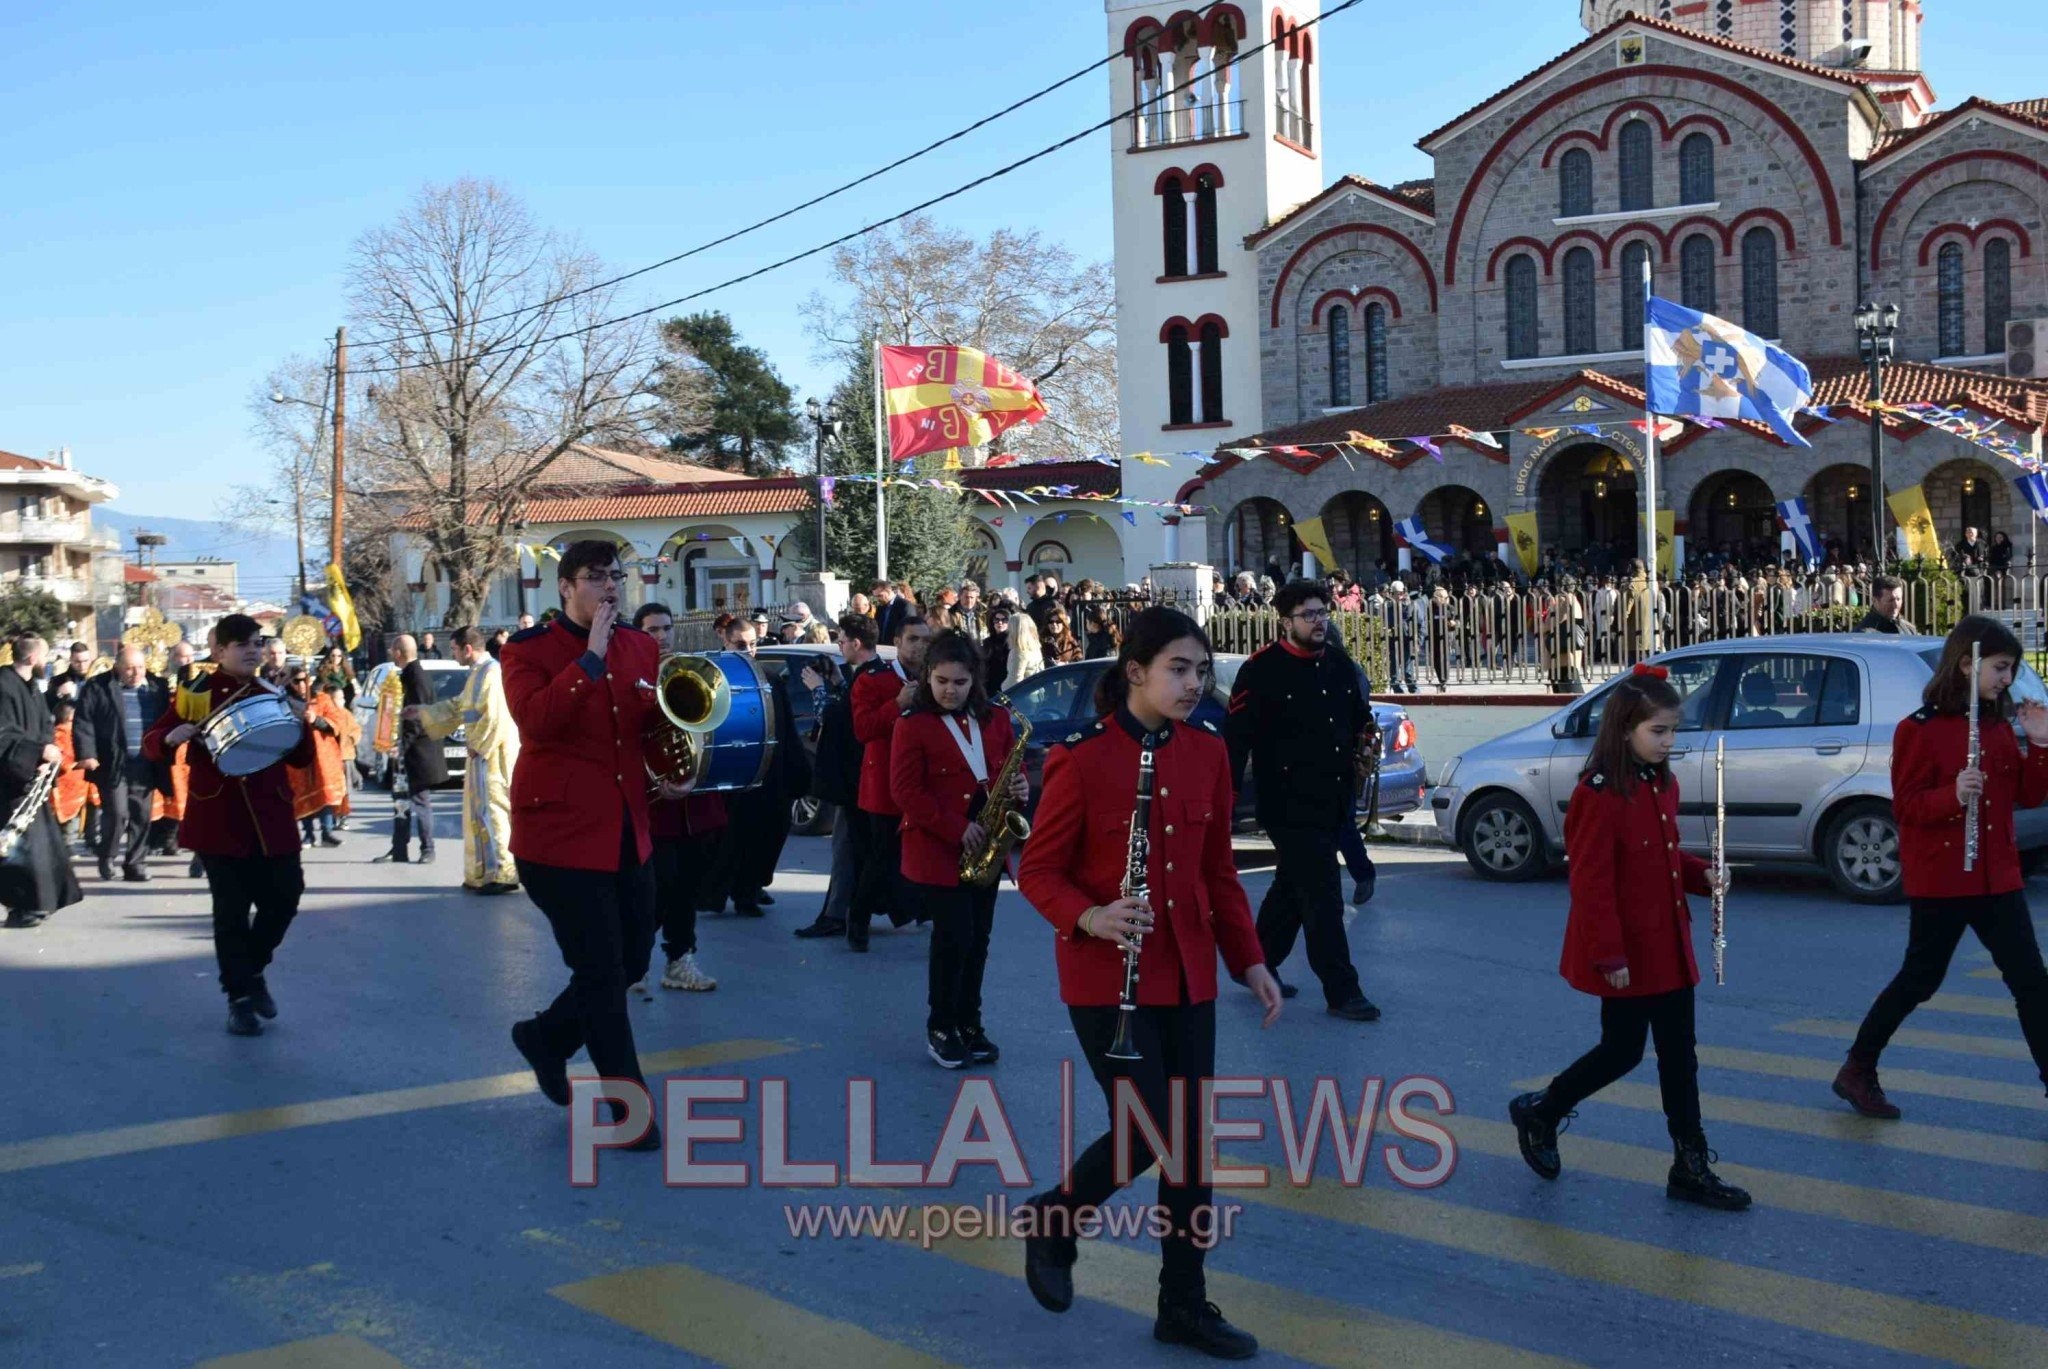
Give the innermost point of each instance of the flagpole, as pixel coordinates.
(881, 475)
(1649, 471)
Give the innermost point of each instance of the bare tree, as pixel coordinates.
(290, 414)
(1016, 297)
(481, 374)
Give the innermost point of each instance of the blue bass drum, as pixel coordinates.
(723, 698)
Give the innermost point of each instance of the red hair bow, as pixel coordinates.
(1655, 672)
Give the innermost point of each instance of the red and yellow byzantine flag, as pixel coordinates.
(947, 397)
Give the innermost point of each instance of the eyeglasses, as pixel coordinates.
(1312, 615)
(616, 577)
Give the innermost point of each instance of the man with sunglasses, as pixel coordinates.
(1297, 714)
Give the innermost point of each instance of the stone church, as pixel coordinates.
(1772, 161)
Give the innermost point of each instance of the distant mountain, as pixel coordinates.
(263, 560)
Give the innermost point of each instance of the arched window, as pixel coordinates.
(1575, 183)
(1948, 285)
(1634, 258)
(1636, 175)
(1212, 373)
(1173, 223)
(1760, 282)
(1180, 376)
(1521, 293)
(1578, 302)
(1205, 224)
(1696, 273)
(1340, 357)
(1997, 292)
(1376, 353)
(1696, 169)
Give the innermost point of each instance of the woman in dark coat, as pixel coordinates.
(36, 880)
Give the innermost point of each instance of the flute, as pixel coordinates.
(1720, 863)
(1970, 809)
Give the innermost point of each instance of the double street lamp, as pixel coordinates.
(824, 426)
(1877, 328)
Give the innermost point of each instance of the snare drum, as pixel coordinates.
(254, 731)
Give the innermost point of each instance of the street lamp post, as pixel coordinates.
(299, 485)
(824, 425)
(1877, 329)
(519, 563)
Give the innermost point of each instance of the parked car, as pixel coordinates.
(1061, 699)
(447, 678)
(1806, 723)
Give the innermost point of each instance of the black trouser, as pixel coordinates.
(2003, 924)
(1306, 898)
(124, 805)
(881, 875)
(1624, 1022)
(603, 921)
(679, 867)
(1357, 860)
(1173, 1043)
(242, 946)
(759, 820)
(415, 808)
(962, 916)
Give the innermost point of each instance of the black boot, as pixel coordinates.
(1049, 1264)
(242, 1018)
(1692, 1181)
(1197, 1322)
(550, 1071)
(1537, 1134)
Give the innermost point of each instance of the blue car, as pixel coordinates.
(1061, 699)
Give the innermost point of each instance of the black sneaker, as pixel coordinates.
(1357, 1008)
(946, 1049)
(1537, 1136)
(242, 1018)
(551, 1074)
(1199, 1323)
(262, 1002)
(980, 1050)
(820, 929)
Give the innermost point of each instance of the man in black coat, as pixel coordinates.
(835, 779)
(114, 710)
(420, 762)
(759, 818)
(38, 881)
(1296, 714)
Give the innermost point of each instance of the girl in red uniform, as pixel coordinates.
(1628, 939)
(944, 752)
(1072, 872)
(1932, 784)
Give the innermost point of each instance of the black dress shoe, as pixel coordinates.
(24, 920)
(497, 887)
(980, 1050)
(746, 909)
(763, 897)
(391, 858)
(106, 870)
(1537, 1135)
(1357, 1008)
(262, 1002)
(242, 1018)
(1049, 1269)
(1198, 1323)
(551, 1074)
(329, 839)
(135, 876)
(1361, 892)
(820, 928)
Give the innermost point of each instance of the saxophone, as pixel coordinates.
(999, 816)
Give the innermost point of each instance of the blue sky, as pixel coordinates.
(183, 184)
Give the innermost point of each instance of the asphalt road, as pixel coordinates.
(374, 1181)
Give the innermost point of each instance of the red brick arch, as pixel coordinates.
(1406, 243)
(1971, 236)
(1892, 201)
(1355, 298)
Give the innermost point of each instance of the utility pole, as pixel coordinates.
(340, 438)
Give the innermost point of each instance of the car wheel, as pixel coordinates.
(810, 817)
(1503, 841)
(1861, 853)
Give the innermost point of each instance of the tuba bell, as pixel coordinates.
(695, 699)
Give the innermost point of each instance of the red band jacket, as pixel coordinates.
(1929, 750)
(929, 780)
(247, 815)
(875, 712)
(1629, 880)
(582, 772)
(1075, 857)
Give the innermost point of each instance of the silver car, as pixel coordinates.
(1806, 721)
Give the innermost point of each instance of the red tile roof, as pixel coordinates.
(708, 499)
(14, 461)
(585, 465)
(132, 574)
(1844, 382)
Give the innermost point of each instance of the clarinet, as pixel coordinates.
(1124, 1045)
(1720, 862)
(1976, 756)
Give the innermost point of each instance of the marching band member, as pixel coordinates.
(1932, 786)
(581, 690)
(240, 827)
(686, 830)
(879, 698)
(944, 752)
(1072, 872)
(1628, 937)
(493, 744)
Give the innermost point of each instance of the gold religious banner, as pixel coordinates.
(156, 635)
(304, 635)
(1522, 532)
(1317, 540)
(1667, 531)
(1916, 521)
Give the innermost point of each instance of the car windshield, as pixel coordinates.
(447, 683)
(2027, 686)
(1050, 697)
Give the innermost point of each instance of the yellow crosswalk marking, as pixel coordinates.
(732, 1324)
(1838, 1123)
(1972, 1005)
(1960, 1043)
(321, 1352)
(1965, 1223)
(185, 1131)
(1880, 1319)
(1311, 1329)
(1986, 972)
(2027, 1096)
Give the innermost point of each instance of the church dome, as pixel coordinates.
(1874, 35)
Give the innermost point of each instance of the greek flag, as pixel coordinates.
(1412, 533)
(1705, 367)
(2035, 487)
(1793, 517)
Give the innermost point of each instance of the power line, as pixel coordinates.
(793, 210)
(863, 231)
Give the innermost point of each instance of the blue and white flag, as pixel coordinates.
(1412, 533)
(2035, 487)
(1792, 514)
(1701, 366)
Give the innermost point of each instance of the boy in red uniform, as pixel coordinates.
(1628, 938)
(879, 698)
(240, 828)
(1932, 786)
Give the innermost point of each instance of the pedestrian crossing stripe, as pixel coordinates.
(1971, 1004)
(731, 1324)
(1987, 972)
(2028, 1097)
(1957, 1043)
(321, 1352)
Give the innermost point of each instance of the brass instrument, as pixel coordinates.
(1137, 863)
(1976, 759)
(1720, 862)
(695, 699)
(1372, 743)
(1004, 825)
